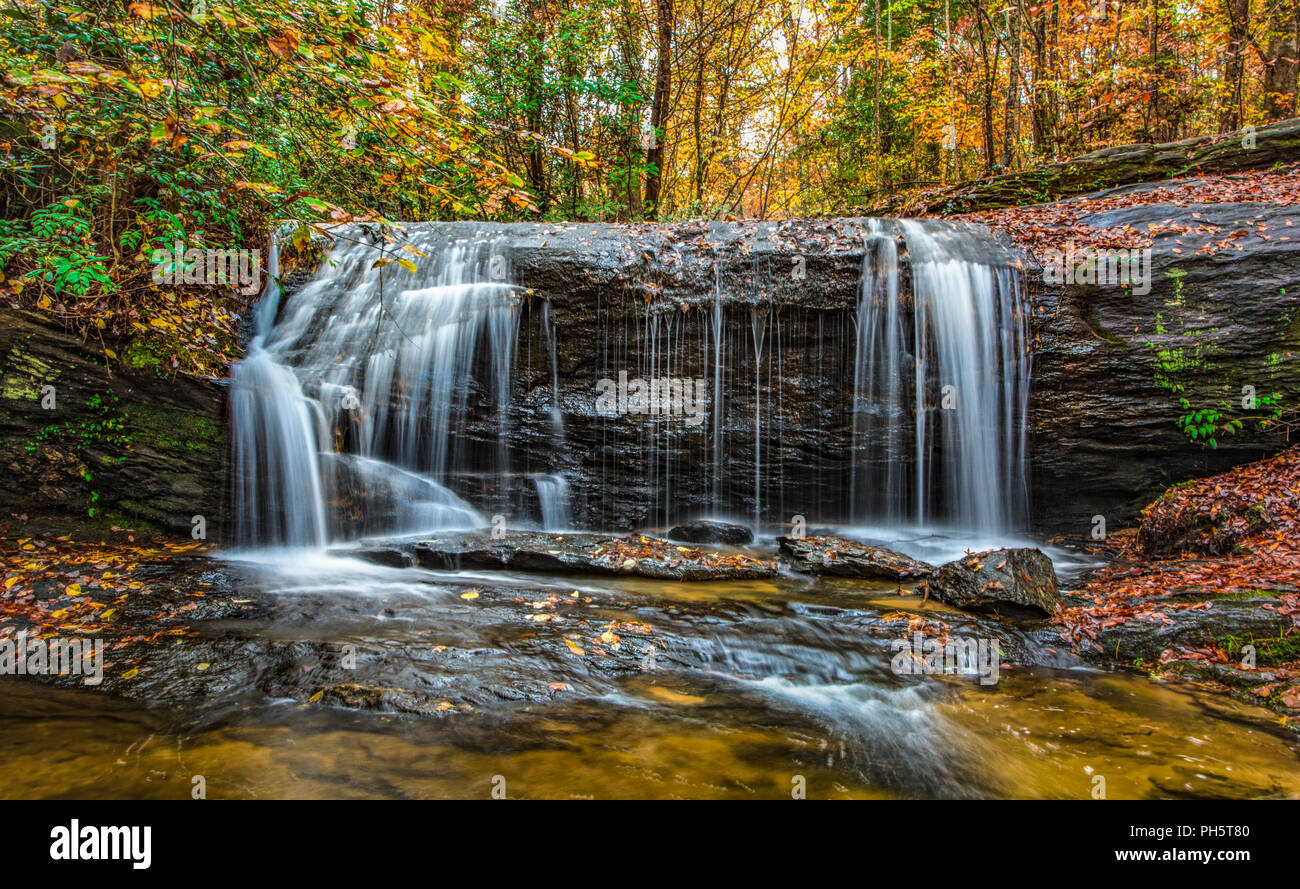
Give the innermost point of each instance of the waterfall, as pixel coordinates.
(947, 394)
(553, 495)
(389, 394)
(719, 405)
(880, 412)
(386, 366)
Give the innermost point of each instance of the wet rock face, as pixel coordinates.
(1111, 364)
(839, 557)
(130, 448)
(1022, 579)
(1108, 367)
(704, 531)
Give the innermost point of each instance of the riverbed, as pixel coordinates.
(326, 677)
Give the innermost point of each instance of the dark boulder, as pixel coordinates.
(1010, 582)
(847, 558)
(706, 531)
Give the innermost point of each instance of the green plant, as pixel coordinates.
(1205, 424)
(56, 243)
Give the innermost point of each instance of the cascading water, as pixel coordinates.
(358, 395)
(553, 496)
(958, 375)
(278, 436)
(378, 400)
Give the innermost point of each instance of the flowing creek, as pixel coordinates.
(751, 684)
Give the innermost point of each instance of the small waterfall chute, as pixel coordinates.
(387, 367)
(553, 497)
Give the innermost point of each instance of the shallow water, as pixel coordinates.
(753, 687)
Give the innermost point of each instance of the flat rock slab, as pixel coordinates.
(388, 556)
(1183, 623)
(634, 555)
(1010, 582)
(706, 531)
(840, 557)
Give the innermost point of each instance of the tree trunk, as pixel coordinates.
(1012, 125)
(1234, 64)
(534, 89)
(986, 89)
(631, 112)
(1280, 65)
(659, 106)
(1153, 42)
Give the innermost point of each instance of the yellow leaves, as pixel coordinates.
(259, 187)
(316, 697)
(581, 158)
(72, 589)
(237, 147)
(404, 263)
(575, 647)
(285, 45)
(470, 595)
(11, 582)
(84, 67)
(147, 11)
(168, 130)
(149, 89)
(320, 207)
(131, 673)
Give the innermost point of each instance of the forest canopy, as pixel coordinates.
(132, 126)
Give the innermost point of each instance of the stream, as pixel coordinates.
(751, 687)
